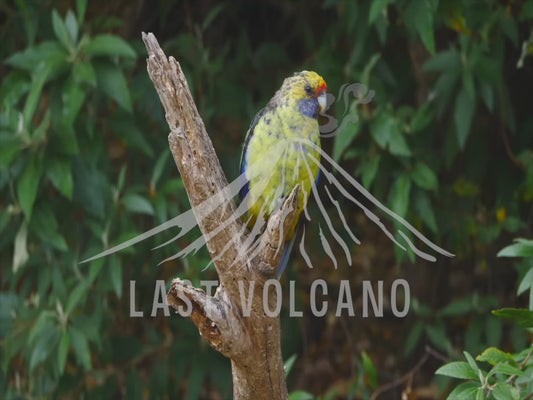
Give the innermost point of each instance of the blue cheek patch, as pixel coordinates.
(309, 107)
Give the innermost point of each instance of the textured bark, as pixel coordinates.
(251, 342)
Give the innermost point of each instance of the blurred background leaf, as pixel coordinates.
(446, 142)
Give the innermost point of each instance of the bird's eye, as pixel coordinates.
(308, 89)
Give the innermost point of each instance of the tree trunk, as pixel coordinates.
(248, 336)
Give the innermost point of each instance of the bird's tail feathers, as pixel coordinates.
(287, 250)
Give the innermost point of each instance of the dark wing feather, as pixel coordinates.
(244, 191)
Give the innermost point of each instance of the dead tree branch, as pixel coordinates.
(252, 342)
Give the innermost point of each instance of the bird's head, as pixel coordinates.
(309, 90)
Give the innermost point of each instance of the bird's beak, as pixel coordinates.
(322, 102)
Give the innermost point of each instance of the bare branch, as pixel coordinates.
(211, 315)
(277, 228)
(193, 152)
(252, 341)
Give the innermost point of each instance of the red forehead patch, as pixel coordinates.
(322, 88)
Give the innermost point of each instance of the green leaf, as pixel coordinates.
(420, 15)
(45, 342)
(75, 296)
(13, 87)
(370, 371)
(387, 134)
(504, 391)
(44, 225)
(414, 337)
(493, 356)
(289, 364)
(71, 24)
(5, 219)
(369, 169)
(383, 128)
(471, 362)
(424, 176)
(43, 323)
(424, 208)
(448, 60)
(161, 163)
(367, 70)
(376, 9)
(109, 45)
(463, 115)
(122, 177)
(115, 271)
(346, 133)
(38, 80)
(60, 173)
(422, 118)
(9, 150)
(511, 30)
(300, 395)
(28, 185)
(125, 127)
(81, 7)
(49, 53)
(526, 283)
(506, 369)
(95, 192)
(486, 92)
(468, 83)
(81, 348)
(40, 133)
(521, 316)
(62, 352)
(458, 307)
(458, 369)
(83, 72)
(95, 269)
(465, 391)
(111, 81)
(137, 204)
(212, 14)
(437, 334)
(20, 248)
(60, 29)
(522, 248)
(398, 146)
(401, 191)
(64, 139)
(72, 98)
(134, 386)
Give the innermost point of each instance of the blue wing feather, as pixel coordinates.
(244, 159)
(287, 250)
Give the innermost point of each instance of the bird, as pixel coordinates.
(282, 150)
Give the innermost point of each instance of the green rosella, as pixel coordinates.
(282, 150)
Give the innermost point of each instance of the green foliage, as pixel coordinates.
(71, 118)
(510, 376)
(439, 129)
(418, 129)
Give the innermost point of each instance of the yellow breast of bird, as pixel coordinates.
(280, 156)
